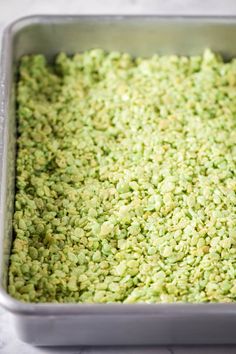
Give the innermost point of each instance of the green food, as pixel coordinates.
(125, 179)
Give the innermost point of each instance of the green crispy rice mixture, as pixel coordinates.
(125, 179)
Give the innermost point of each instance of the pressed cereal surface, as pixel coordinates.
(125, 179)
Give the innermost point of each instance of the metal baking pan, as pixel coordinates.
(104, 324)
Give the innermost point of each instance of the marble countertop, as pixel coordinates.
(13, 9)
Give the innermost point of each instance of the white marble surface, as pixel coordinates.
(12, 9)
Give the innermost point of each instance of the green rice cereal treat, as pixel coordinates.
(125, 179)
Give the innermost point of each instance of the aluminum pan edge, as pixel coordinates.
(28, 309)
